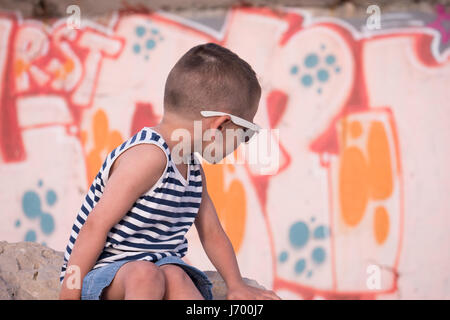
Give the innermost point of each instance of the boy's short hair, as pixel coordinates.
(211, 77)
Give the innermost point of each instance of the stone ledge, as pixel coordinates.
(30, 271)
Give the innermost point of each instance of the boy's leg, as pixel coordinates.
(136, 280)
(179, 285)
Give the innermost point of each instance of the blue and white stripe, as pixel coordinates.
(156, 224)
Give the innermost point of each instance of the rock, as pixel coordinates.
(30, 271)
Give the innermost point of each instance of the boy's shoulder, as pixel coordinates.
(144, 157)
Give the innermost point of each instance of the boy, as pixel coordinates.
(129, 236)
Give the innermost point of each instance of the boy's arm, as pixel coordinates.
(136, 173)
(220, 252)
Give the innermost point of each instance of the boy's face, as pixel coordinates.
(227, 137)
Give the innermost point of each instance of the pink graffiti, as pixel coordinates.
(58, 62)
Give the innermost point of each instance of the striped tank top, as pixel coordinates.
(155, 226)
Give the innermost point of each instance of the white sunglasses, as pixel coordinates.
(252, 127)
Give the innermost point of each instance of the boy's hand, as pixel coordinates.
(70, 294)
(246, 292)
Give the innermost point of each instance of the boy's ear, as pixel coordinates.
(219, 122)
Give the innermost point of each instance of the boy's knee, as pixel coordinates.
(174, 273)
(145, 273)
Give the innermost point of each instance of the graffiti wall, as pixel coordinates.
(363, 121)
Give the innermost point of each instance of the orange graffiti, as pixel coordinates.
(104, 140)
(364, 178)
(64, 70)
(381, 224)
(230, 201)
(20, 66)
(353, 185)
(380, 169)
(355, 129)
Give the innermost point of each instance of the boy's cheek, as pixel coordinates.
(229, 147)
(215, 152)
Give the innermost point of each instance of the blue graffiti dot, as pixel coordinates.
(161, 38)
(307, 80)
(51, 197)
(44, 244)
(17, 224)
(283, 256)
(300, 266)
(31, 204)
(140, 31)
(146, 57)
(311, 60)
(136, 48)
(337, 69)
(30, 236)
(40, 183)
(155, 31)
(47, 223)
(318, 255)
(299, 234)
(319, 90)
(322, 46)
(322, 75)
(321, 232)
(330, 59)
(294, 70)
(150, 44)
(313, 219)
(309, 274)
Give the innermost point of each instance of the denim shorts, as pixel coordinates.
(97, 279)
